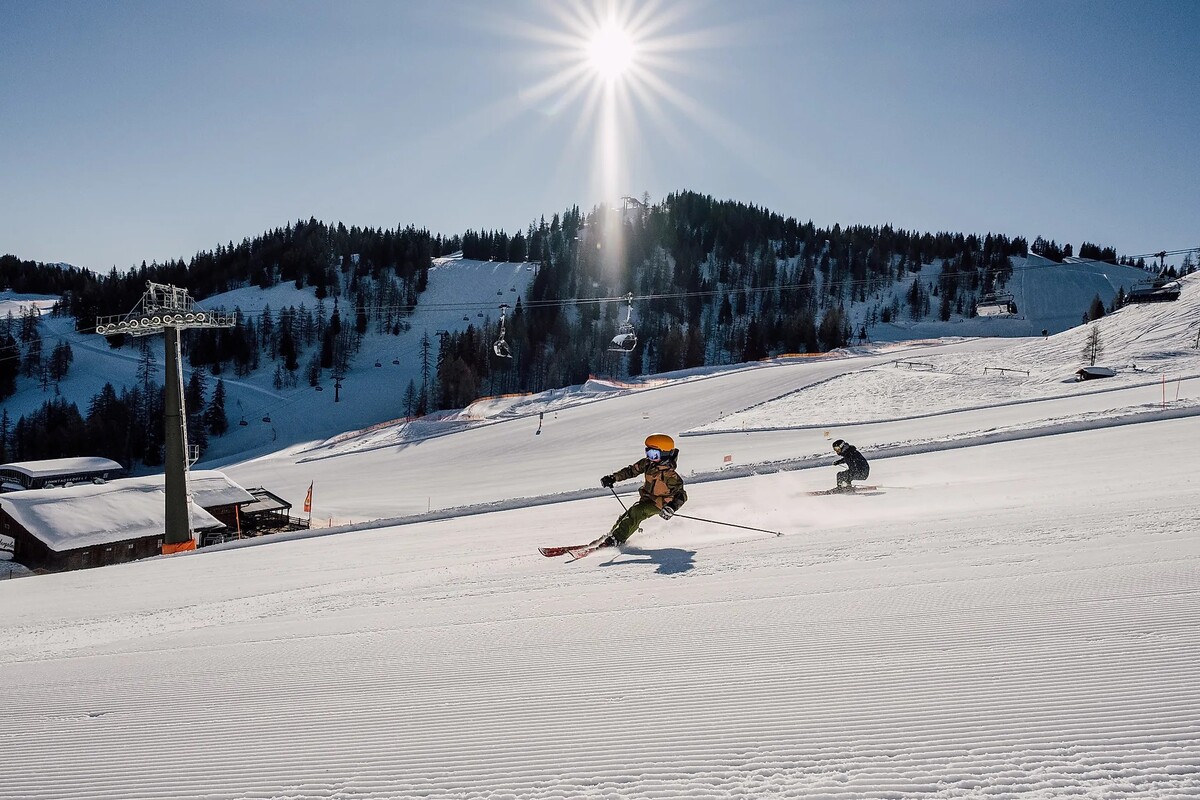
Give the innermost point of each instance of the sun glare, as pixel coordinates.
(611, 52)
(617, 65)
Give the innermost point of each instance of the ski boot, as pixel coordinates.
(606, 540)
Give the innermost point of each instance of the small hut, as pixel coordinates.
(1089, 373)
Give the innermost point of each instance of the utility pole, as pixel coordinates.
(425, 345)
(166, 309)
(438, 373)
(337, 386)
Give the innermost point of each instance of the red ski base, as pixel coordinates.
(575, 551)
(554, 552)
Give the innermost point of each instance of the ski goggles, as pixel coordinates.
(653, 453)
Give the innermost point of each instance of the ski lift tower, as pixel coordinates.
(167, 309)
(632, 208)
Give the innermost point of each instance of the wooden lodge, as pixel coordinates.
(93, 524)
(55, 472)
(266, 513)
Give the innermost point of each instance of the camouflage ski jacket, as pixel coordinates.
(663, 485)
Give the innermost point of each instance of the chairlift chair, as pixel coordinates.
(626, 338)
(501, 348)
(624, 341)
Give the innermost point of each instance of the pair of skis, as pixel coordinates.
(575, 551)
(578, 551)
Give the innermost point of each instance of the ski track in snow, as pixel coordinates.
(844, 703)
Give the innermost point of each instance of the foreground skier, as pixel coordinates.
(662, 492)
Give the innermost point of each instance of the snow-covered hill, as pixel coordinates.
(894, 397)
(1011, 613)
(460, 293)
(1049, 296)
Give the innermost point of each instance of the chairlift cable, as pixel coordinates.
(730, 291)
(733, 291)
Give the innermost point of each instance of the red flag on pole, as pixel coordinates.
(308, 500)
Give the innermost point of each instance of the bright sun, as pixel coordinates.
(611, 52)
(614, 63)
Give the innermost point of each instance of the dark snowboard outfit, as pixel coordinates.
(857, 467)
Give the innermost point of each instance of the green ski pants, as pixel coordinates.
(628, 522)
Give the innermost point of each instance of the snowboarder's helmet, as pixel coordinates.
(660, 441)
(838, 444)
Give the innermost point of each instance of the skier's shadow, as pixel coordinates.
(670, 560)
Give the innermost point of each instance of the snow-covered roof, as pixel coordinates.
(211, 488)
(63, 466)
(265, 501)
(129, 508)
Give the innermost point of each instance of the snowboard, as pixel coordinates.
(845, 490)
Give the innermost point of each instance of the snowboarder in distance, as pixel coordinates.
(857, 468)
(661, 494)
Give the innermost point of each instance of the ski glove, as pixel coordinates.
(667, 512)
(607, 481)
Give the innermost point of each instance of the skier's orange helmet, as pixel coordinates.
(660, 441)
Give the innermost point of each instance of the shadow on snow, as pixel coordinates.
(670, 560)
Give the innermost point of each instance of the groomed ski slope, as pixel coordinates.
(1007, 617)
(1012, 619)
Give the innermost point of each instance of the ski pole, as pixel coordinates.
(622, 502)
(730, 524)
(619, 500)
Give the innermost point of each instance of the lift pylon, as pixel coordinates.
(168, 309)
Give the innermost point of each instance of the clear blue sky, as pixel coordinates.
(152, 130)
